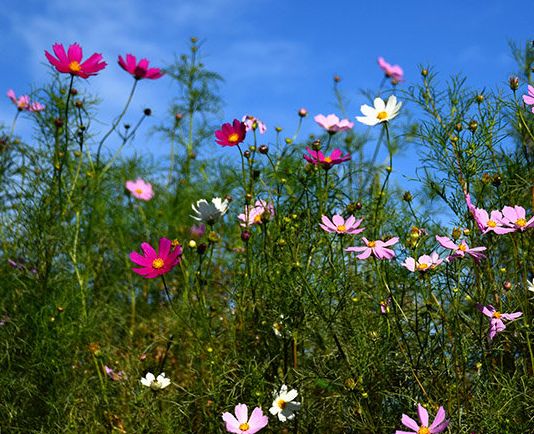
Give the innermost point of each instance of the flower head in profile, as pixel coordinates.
(332, 123)
(284, 404)
(529, 98)
(252, 124)
(496, 318)
(154, 264)
(381, 112)
(155, 383)
(326, 162)
(424, 263)
(70, 62)
(260, 213)
(394, 72)
(515, 218)
(231, 134)
(461, 249)
(438, 425)
(209, 212)
(140, 189)
(241, 423)
(139, 70)
(23, 102)
(341, 226)
(379, 249)
(115, 376)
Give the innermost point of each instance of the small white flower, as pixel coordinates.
(284, 405)
(279, 327)
(530, 286)
(155, 383)
(381, 112)
(210, 212)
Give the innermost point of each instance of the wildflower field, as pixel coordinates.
(260, 279)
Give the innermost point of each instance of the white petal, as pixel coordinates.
(379, 104)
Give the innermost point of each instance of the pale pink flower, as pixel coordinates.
(241, 424)
(460, 250)
(261, 212)
(23, 102)
(252, 124)
(424, 263)
(376, 248)
(140, 189)
(515, 217)
(529, 98)
(394, 72)
(496, 318)
(439, 424)
(492, 222)
(341, 226)
(332, 123)
(115, 376)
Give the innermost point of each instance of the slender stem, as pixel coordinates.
(14, 123)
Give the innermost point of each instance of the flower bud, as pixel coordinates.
(245, 236)
(201, 248)
(507, 285)
(288, 140)
(486, 178)
(248, 198)
(58, 122)
(473, 125)
(456, 233)
(337, 78)
(264, 149)
(178, 117)
(192, 244)
(458, 127)
(214, 237)
(514, 82)
(303, 112)
(246, 154)
(497, 179)
(316, 145)
(424, 72)
(127, 126)
(479, 98)
(147, 112)
(277, 129)
(407, 196)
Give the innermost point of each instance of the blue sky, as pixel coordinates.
(275, 56)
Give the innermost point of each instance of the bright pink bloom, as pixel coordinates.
(252, 124)
(140, 189)
(424, 263)
(139, 70)
(332, 124)
(71, 62)
(154, 264)
(496, 318)
(376, 248)
(529, 99)
(261, 212)
(394, 72)
(241, 424)
(439, 424)
(317, 157)
(341, 226)
(515, 217)
(231, 134)
(459, 250)
(23, 102)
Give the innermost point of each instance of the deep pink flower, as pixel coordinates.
(332, 124)
(71, 62)
(317, 157)
(23, 102)
(261, 212)
(376, 248)
(515, 217)
(252, 123)
(241, 424)
(231, 134)
(341, 226)
(439, 424)
(139, 70)
(394, 72)
(154, 264)
(140, 189)
(424, 263)
(459, 250)
(529, 98)
(496, 318)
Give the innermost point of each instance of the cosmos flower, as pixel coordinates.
(515, 217)
(496, 318)
(231, 134)
(139, 70)
(332, 123)
(154, 264)
(140, 189)
(318, 158)
(241, 424)
(394, 72)
(71, 62)
(424, 263)
(529, 98)
(23, 102)
(261, 212)
(155, 383)
(439, 424)
(460, 250)
(115, 376)
(252, 124)
(381, 112)
(209, 212)
(492, 222)
(198, 231)
(341, 226)
(376, 248)
(284, 404)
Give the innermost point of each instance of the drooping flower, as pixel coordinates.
(424, 263)
(140, 189)
(376, 248)
(252, 124)
(241, 424)
(71, 62)
(438, 425)
(154, 264)
(341, 226)
(332, 123)
(284, 404)
(381, 112)
(326, 162)
(231, 134)
(139, 70)
(529, 98)
(209, 212)
(496, 318)
(394, 72)
(115, 376)
(461, 249)
(155, 383)
(261, 212)
(515, 217)
(23, 102)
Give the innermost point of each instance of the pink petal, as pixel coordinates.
(438, 420)
(423, 414)
(149, 251)
(409, 422)
(232, 424)
(164, 248)
(241, 413)
(138, 259)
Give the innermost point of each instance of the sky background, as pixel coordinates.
(275, 56)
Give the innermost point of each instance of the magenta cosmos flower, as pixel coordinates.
(496, 318)
(231, 134)
(376, 248)
(252, 124)
(439, 424)
(515, 217)
(326, 162)
(529, 98)
(140, 189)
(394, 72)
(424, 263)
(139, 70)
(460, 250)
(154, 264)
(71, 62)
(261, 212)
(23, 102)
(241, 424)
(341, 226)
(332, 123)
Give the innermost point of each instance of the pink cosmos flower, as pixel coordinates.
(491, 223)
(71, 62)
(140, 189)
(241, 424)
(496, 318)
(231, 134)
(261, 212)
(341, 226)
(252, 123)
(394, 72)
(515, 217)
(424, 263)
(139, 70)
(23, 102)
(154, 264)
(197, 231)
(317, 157)
(115, 376)
(332, 124)
(459, 250)
(529, 98)
(439, 424)
(376, 248)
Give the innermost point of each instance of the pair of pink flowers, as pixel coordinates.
(252, 124)
(378, 248)
(260, 213)
(23, 102)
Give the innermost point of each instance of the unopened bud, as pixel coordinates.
(424, 72)
(245, 236)
(303, 112)
(473, 125)
(456, 233)
(337, 78)
(479, 98)
(264, 149)
(514, 82)
(316, 145)
(288, 140)
(58, 122)
(486, 178)
(507, 285)
(246, 154)
(201, 248)
(192, 244)
(458, 127)
(497, 179)
(178, 117)
(277, 129)
(407, 196)
(147, 112)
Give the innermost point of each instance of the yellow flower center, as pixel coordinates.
(497, 314)
(422, 266)
(233, 138)
(462, 247)
(371, 244)
(281, 403)
(491, 224)
(382, 115)
(175, 243)
(74, 66)
(521, 223)
(257, 219)
(138, 190)
(327, 160)
(244, 427)
(158, 263)
(341, 228)
(423, 430)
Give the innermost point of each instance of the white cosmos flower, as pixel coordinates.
(210, 212)
(155, 383)
(284, 405)
(381, 112)
(530, 286)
